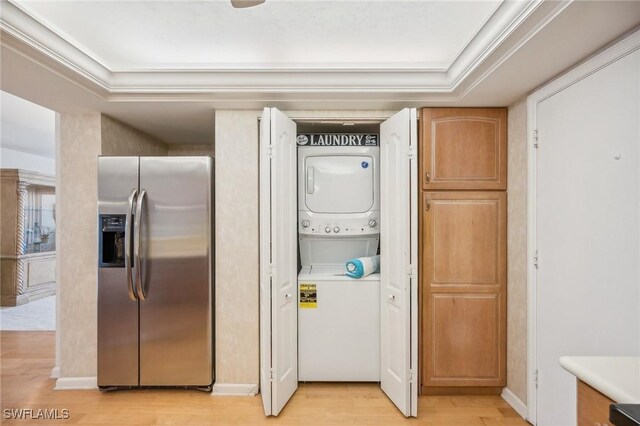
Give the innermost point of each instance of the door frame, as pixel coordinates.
(378, 117)
(625, 46)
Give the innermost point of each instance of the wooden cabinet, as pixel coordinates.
(464, 148)
(463, 249)
(593, 407)
(464, 288)
(27, 237)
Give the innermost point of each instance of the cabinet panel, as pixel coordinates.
(593, 407)
(464, 241)
(27, 237)
(465, 342)
(463, 288)
(41, 271)
(464, 148)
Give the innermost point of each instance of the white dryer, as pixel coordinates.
(338, 219)
(338, 197)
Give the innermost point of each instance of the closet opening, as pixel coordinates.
(338, 255)
(338, 188)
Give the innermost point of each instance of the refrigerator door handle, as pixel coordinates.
(136, 246)
(127, 244)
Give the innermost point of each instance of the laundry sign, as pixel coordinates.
(338, 139)
(308, 296)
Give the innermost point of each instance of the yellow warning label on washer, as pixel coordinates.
(308, 296)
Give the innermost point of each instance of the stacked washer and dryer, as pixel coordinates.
(338, 219)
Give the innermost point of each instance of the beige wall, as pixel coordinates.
(121, 139)
(236, 194)
(80, 145)
(177, 150)
(517, 251)
(81, 139)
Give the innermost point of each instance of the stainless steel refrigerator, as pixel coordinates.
(155, 272)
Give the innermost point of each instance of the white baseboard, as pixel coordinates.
(55, 372)
(74, 383)
(514, 401)
(219, 389)
(233, 389)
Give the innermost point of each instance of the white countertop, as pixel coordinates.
(617, 377)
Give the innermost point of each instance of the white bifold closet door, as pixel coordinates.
(399, 260)
(278, 260)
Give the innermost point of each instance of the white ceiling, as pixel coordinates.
(165, 67)
(150, 35)
(27, 127)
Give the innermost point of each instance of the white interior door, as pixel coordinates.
(399, 260)
(588, 204)
(278, 261)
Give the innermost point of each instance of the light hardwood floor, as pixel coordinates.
(27, 358)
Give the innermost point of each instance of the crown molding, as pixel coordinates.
(509, 16)
(626, 45)
(551, 12)
(53, 49)
(26, 34)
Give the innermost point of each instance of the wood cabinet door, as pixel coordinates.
(593, 407)
(464, 288)
(464, 148)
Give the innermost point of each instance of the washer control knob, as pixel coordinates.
(336, 229)
(305, 223)
(327, 229)
(373, 223)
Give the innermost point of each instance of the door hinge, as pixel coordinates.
(412, 151)
(535, 378)
(270, 269)
(411, 376)
(536, 258)
(270, 151)
(271, 373)
(535, 139)
(411, 271)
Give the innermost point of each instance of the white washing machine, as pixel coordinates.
(339, 334)
(338, 211)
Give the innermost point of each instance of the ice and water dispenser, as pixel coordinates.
(111, 241)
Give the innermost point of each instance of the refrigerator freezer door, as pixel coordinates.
(117, 312)
(176, 347)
